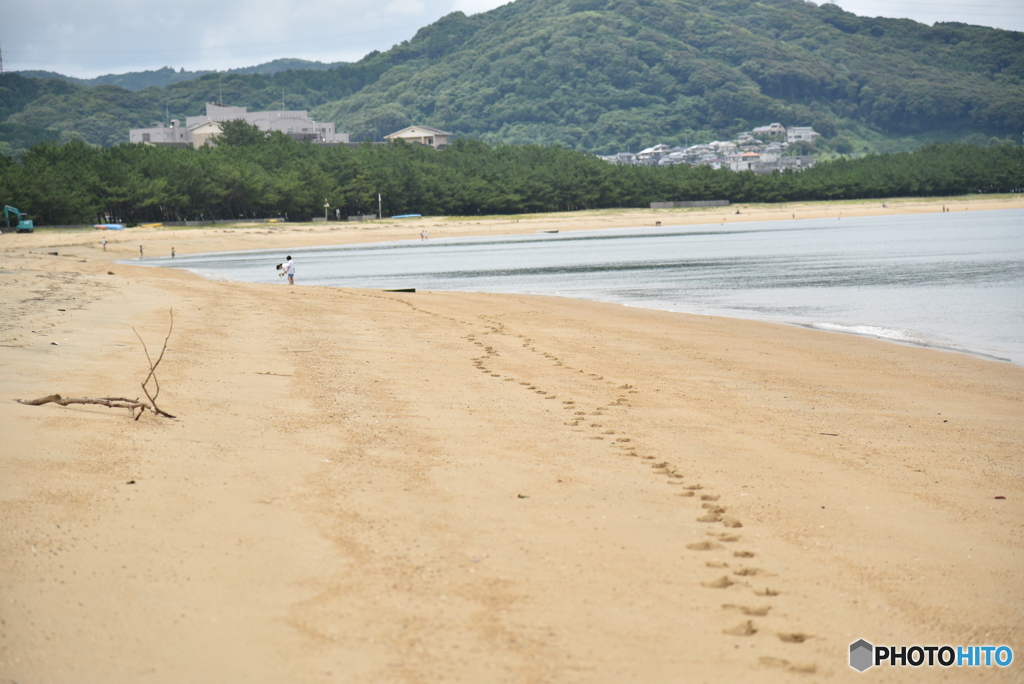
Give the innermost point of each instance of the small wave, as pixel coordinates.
(897, 334)
(906, 337)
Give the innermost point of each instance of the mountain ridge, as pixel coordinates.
(611, 75)
(766, 66)
(139, 80)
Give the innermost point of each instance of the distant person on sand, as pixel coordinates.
(289, 267)
(140, 251)
(423, 235)
(104, 243)
(172, 252)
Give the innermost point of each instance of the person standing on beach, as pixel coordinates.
(172, 252)
(140, 251)
(104, 243)
(290, 269)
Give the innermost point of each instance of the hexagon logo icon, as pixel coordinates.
(861, 655)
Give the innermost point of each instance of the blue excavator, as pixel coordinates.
(17, 221)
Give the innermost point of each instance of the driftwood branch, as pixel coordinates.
(112, 402)
(132, 405)
(152, 371)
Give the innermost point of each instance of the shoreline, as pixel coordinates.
(243, 236)
(897, 334)
(370, 486)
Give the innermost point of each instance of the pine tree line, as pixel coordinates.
(254, 175)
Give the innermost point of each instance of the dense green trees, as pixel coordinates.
(253, 175)
(608, 75)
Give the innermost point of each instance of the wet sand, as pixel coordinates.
(363, 486)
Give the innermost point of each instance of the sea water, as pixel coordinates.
(951, 280)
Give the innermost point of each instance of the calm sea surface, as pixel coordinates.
(952, 280)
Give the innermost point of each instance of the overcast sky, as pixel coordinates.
(87, 38)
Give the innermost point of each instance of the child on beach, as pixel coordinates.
(289, 269)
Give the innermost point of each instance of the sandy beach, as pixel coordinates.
(367, 486)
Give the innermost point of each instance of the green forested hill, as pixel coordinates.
(137, 80)
(610, 75)
(103, 115)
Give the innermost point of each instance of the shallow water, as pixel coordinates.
(951, 280)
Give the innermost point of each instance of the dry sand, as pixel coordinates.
(363, 486)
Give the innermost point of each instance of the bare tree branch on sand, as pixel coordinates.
(132, 405)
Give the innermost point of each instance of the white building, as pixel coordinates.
(652, 155)
(295, 124)
(743, 162)
(202, 133)
(624, 158)
(424, 135)
(796, 133)
(159, 134)
(770, 129)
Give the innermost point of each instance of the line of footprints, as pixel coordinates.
(712, 511)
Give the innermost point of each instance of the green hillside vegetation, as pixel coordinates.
(103, 115)
(137, 80)
(607, 75)
(15, 137)
(615, 75)
(254, 175)
(134, 80)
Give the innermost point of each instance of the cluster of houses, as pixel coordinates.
(198, 130)
(760, 150)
